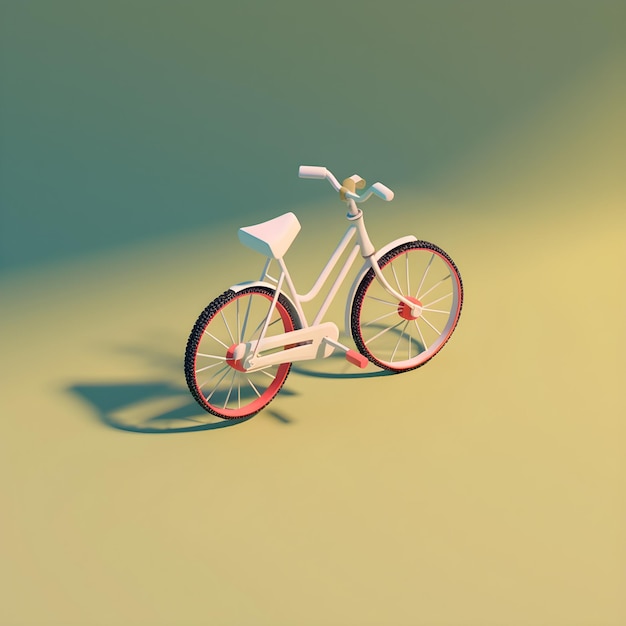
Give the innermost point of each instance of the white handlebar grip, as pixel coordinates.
(312, 171)
(382, 192)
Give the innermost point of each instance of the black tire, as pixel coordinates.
(385, 331)
(225, 390)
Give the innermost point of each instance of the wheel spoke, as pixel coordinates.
(245, 319)
(382, 332)
(208, 367)
(206, 332)
(264, 371)
(437, 300)
(211, 356)
(217, 385)
(257, 329)
(230, 390)
(432, 256)
(419, 330)
(253, 387)
(446, 311)
(224, 368)
(394, 304)
(393, 354)
(435, 286)
(380, 318)
(227, 326)
(393, 271)
(408, 278)
(238, 325)
(437, 331)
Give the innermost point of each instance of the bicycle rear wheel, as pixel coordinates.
(388, 332)
(215, 379)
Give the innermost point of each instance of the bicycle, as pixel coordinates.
(402, 308)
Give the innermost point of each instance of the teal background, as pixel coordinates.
(485, 489)
(122, 121)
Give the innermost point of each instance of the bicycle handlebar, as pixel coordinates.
(312, 171)
(322, 173)
(379, 190)
(315, 171)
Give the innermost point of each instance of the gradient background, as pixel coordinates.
(487, 488)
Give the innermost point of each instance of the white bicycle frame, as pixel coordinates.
(319, 339)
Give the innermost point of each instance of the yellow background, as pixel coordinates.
(486, 488)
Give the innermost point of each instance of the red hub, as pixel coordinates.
(232, 361)
(405, 311)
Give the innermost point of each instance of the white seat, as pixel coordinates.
(271, 238)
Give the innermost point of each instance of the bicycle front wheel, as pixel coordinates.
(393, 335)
(216, 380)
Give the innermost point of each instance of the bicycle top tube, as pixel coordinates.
(347, 189)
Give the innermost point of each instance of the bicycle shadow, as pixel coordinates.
(155, 407)
(336, 366)
(162, 406)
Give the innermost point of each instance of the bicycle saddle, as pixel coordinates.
(271, 238)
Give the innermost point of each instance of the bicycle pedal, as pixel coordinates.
(356, 358)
